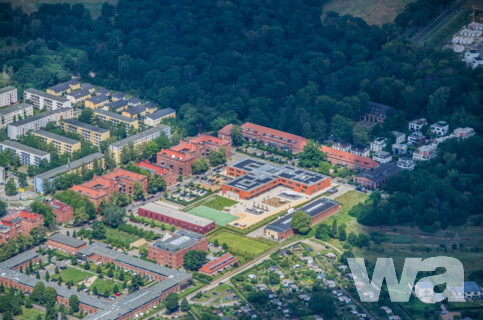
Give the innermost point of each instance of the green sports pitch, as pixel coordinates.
(219, 217)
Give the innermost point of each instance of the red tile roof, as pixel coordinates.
(273, 132)
(348, 157)
(91, 193)
(206, 268)
(125, 174)
(159, 170)
(226, 130)
(59, 205)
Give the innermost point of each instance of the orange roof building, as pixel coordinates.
(217, 266)
(349, 160)
(168, 175)
(19, 222)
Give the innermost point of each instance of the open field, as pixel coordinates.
(240, 244)
(219, 217)
(75, 275)
(120, 237)
(219, 203)
(29, 6)
(103, 284)
(30, 314)
(446, 31)
(373, 11)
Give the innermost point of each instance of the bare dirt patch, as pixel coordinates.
(275, 202)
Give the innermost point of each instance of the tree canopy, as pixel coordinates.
(194, 259)
(301, 222)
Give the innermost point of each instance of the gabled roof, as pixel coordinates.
(380, 173)
(349, 157)
(63, 239)
(161, 113)
(272, 132)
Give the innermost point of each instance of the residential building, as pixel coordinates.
(64, 87)
(138, 140)
(42, 180)
(379, 144)
(89, 87)
(79, 95)
(360, 151)
(62, 211)
(8, 96)
(42, 100)
(168, 175)
(17, 223)
(117, 105)
(116, 119)
(417, 124)
(88, 132)
(218, 265)
(103, 92)
(180, 157)
(118, 96)
(225, 132)
(273, 138)
(382, 157)
(134, 101)
(348, 160)
(65, 244)
(440, 128)
(156, 118)
(406, 163)
(464, 133)
(342, 146)
(425, 153)
(170, 252)
(102, 187)
(135, 112)
(416, 138)
(376, 178)
(28, 155)
(166, 214)
(96, 101)
(472, 290)
(399, 136)
(62, 144)
(399, 149)
(20, 128)
(377, 112)
(254, 177)
(15, 113)
(3, 177)
(318, 210)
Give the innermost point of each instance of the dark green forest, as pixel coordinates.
(270, 62)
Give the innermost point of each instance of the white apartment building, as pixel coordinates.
(8, 96)
(440, 128)
(406, 163)
(417, 124)
(43, 100)
(400, 137)
(15, 113)
(425, 153)
(399, 149)
(378, 144)
(20, 128)
(28, 155)
(382, 157)
(464, 133)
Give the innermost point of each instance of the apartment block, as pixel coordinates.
(8, 96)
(88, 132)
(17, 223)
(168, 175)
(170, 252)
(116, 105)
(15, 113)
(115, 119)
(62, 211)
(96, 101)
(28, 155)
(65, 244)
(440, 128)
(417, 124)
(42, 100)
(79, 95)
(64, 87)
(61, 143)
(156, 118)
(349, 160)
(425, 153)
(138, 140)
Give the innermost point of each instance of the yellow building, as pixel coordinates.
(61, 143)
(88, 132)
(116, 118)
(64, 87)
(96, 101)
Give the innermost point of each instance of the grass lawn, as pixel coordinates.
(219, 217)
(241, 245)
(119, 236)
(103, 284)
(219, 203)
(75, 275)
(30, 314)
(446, 31)
(373, 11)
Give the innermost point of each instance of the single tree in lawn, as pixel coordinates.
(184, 306)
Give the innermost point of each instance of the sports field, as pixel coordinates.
(219, 217)
(241, 245)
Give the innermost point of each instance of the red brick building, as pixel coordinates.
(65, 244)
(180, 157)
(102, 187)
(20, 222)
(214, 267)
(183, 220)
(254, 177)
(270, 137)
(168, 175)
(348, 160)
(377, 112)
(62, 211)
(170, 252)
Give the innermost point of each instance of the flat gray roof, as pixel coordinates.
(114, 115)
(138, 136)
(55, 136)
(175, 243)
(159, 207)
(161, 113)
(7, 89)
(37, 117)
(22, 147)
(73, 242)
(14, 108)
(84, 125)
(70, 166)
(46, 95)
